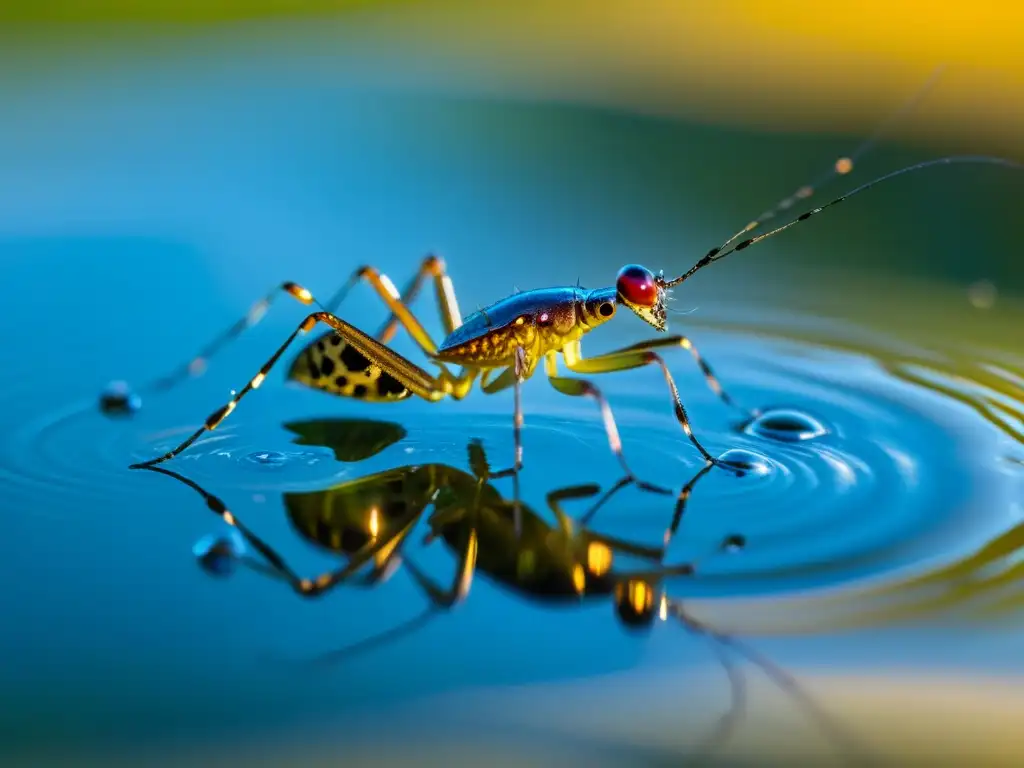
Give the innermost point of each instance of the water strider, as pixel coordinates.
(504, 344)
(918, 473)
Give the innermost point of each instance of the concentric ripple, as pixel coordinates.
(856, 465)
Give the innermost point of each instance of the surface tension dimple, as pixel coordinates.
(786, 424)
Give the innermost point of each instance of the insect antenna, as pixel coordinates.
(729, 721)
(843, 165)
(718, 253)
(845, 743)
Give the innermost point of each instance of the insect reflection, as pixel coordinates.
(369, 521)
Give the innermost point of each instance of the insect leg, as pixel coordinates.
(448, 306)
(400, 373)
(845, 743)
(842, 165)
(556, 497)
(456, 593)
(582, 387)
(651, 553)
(625, 359)
(517, 411)
(440, 600)
(274, 565)
(388, 293)
(197, 365)
(432, 267)
(681, 342)
(490, 385)
(729, 720)
(684, 496)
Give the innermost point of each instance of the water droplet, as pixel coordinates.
(275, 458)
(217, 555)
(282, 458)
(734, 543)
(118, 400)
(787, 425)
(746, 462)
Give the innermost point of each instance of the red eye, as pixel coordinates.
(636, 285)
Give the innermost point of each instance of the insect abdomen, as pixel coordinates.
(332, 365)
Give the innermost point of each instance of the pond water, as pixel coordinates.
(879, 516)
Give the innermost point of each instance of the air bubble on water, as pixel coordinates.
(273, 458)
(118, 400)
(217, 554)
(787, 425)
(746, 462)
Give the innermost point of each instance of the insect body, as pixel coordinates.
(500, 346)
(503, 345)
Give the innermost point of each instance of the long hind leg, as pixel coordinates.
(397, 372)
(431, 266)
(444, 291)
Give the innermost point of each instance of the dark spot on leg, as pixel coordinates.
(327, 366)
(359, 391)
(314, 372)
(335, 339)
(320, 346)
(341, 382)
(353, 359)
(395, 510)
(389, 385)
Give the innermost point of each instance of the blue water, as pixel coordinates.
(141, 221)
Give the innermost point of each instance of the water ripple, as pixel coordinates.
(863, 465)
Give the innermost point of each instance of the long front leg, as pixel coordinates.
(397, 372)
(677, 342)
(634, 357)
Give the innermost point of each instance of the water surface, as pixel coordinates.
(883, 531)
